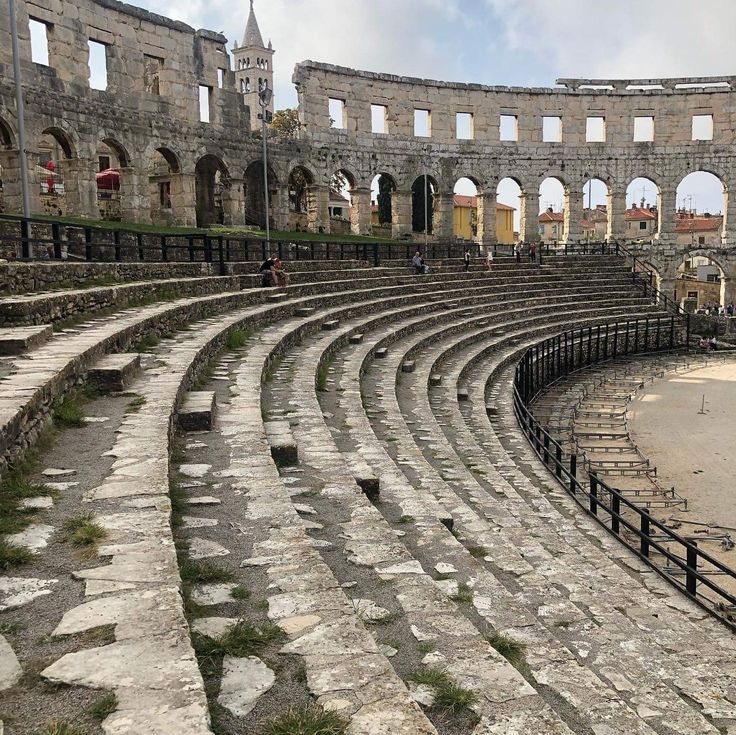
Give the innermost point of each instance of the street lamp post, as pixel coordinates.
(20, 110)
(264, 99)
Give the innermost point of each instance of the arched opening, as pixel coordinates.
(553, 211)
(382, 210)
(642, 209)
(255, 204)
(211, 180)
(111, 159)
(165, 186)
(701, 202)
(508, 211)
(9, 166)
(596, 208)
(423, 193)
(51, 174)
(700, 278)
(465, 209)
(341, 202)
(301, 207)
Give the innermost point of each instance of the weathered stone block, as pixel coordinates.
(114, 372)
(381, 352)
(197, 412)
(463, 394)
(15, 340)
(331, 325)
(435, 379)
(284, 449)
(356, 339)
(407, 366)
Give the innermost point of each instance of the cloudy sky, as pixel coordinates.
(516, 42)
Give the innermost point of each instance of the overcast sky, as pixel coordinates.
(515, 42)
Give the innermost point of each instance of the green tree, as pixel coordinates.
(418, 196)
(385, 188)
(286, 124)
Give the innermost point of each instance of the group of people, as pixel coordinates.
(711, 309)
(272, 272)
(531, 250)
(708, 345)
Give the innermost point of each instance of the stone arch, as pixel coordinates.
(54, 173)
(643, 218)
(255, 204)
(556, 219)
(384, 212)
(211, 180)
(343, 202)
(597, 207)
(7, 136)
(112, 178)
(467, 208)
(170, 202)
(510, 204)
(696, 219)
(304, 201)
(10, 196)
(694, 274)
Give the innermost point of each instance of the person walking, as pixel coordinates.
(533, 252)
(466, 260)
(517, 249)
(489, 258)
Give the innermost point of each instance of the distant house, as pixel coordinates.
(339, 206)
(695, 230)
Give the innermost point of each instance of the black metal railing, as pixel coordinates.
(37, 238)
(678, 559)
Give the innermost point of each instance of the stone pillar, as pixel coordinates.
(529, 227)
(729, 220)
(279, 202)
(360, 211)
(401, 213)
(668, 286)
(12, 196)
(486, 218)
(573, 217)
(616, 215)
(318, 208)
(233, 203)
(183, 200)
(80, 187)
(729, 291)
(667, 210)
(135, 196)
(442, 220)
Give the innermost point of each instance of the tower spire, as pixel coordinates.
(252, 37)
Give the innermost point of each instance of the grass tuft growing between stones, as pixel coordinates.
(68, 411)
(239, 593)
(13, 556)
(60, 728)
(323, 370)
(82, 530)
(307, 721)
(479, 552)
(449, 697)
(242, 639)
(147, 343)
(193, 572)
(236, 339)
(406, 519)
(512, 650)
(463, 595)
(135, 404)
(14, 488)
(103, 706)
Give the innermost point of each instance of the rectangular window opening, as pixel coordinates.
(551, 129)
(152, 67)
(509, 127)
(642, 225)
(220, 78)
(595, 130)
(702, 127)
(643, 129)
(337, 113)
(464, 126)
(97, 65)
(379, 119)
(422, 123)
(205, 93)
(39, 41)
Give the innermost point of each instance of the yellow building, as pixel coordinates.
(465, 219)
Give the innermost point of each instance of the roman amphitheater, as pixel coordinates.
(489, 500)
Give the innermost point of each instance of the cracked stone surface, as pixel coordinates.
(10, 669)
(244, 681)
(17, 591)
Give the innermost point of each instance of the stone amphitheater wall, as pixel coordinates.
(213, 170)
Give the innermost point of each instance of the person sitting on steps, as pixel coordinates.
(268, 276)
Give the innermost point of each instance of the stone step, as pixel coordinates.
(276, 297)
(281, 441)
(331, 325)
(381, 352)
(407, 366)
(363, 474)
(305, 311)
(435, 379)
(114, 372)
(463, 394)
(14, 340)
(197, 412)
(356, 339)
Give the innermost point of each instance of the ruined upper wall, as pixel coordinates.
(140, 47)
(672, 106)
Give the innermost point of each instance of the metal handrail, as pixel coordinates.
(567, 353)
